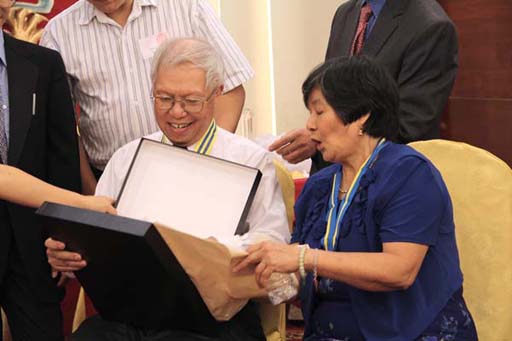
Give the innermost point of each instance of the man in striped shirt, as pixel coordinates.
(107, 48)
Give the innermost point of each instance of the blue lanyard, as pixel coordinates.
(337, 209)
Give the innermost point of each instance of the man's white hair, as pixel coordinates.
(195, 51)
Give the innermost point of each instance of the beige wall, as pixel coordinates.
(215, 4)
(283, 40)
(248, 21)
(300, 33)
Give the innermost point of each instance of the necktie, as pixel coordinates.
(3, 136)
(357, 44)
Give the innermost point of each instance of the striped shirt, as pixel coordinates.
(109, 65)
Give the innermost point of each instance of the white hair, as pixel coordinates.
(196, 51)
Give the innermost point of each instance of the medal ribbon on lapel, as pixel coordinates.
(338, 209)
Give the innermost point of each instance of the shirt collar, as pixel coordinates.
(3, 59)
(90, 12)
(376, 6)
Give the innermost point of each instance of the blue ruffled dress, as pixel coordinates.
(401, 198)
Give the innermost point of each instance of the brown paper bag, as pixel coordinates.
(208, 264)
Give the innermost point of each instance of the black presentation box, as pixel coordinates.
(193, 193)
(132, 276)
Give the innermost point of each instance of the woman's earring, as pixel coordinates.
(361, 132)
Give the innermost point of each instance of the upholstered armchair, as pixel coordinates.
(480, 187)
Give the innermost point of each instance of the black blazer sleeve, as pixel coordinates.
(62, 146)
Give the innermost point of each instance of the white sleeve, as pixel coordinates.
(267, 217)
(113, 176)
(207, 25)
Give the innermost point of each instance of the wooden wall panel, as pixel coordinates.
(479, 111)
(481, 122)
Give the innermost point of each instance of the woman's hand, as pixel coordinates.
(97, 203)
(61, 260)
(270, 257)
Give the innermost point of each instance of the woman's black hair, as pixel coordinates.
(354, 86)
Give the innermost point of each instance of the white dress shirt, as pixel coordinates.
(267, 216)
(109, 65)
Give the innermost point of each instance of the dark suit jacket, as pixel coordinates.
(43, 144)
(417, 43)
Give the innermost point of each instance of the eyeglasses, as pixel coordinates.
(189, 104)
(7, 3)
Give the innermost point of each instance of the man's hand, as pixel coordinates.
(295, 146)
(61, 260)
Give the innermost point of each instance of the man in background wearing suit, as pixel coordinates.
(37, 135)
(417, 43)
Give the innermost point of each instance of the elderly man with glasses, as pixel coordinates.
(37, 135)
(187, 77)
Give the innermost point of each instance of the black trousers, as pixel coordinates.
(245, 326)
(29, 317)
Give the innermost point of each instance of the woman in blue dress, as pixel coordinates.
(374, 240)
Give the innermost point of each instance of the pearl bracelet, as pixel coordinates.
(302, 255)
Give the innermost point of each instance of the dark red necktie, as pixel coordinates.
(357, 44)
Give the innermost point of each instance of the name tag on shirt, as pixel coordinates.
(149, 45)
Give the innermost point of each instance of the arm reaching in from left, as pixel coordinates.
(24, 189)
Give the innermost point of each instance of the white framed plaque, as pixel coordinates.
(193, 193)
(132, 274)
